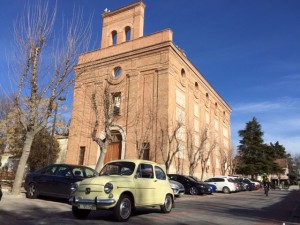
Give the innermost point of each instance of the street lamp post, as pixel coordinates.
(53, 127)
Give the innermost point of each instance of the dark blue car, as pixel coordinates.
(191, 185)
(213, 188)
(56, 180)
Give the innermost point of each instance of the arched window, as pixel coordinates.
(117, 71)
(128, 33)
(182, 73)
(114, 37)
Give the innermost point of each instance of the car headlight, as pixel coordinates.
(74, 187)
(108, 187)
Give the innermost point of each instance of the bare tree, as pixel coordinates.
(179, 164)
(209, 145)
(225, 160)
(170, 136)
(6, 107)
(44, 66)
(143, 124)
(104, 117)
(195, 153)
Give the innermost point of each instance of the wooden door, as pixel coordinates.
(113, 152)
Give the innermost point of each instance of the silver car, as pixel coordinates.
(177, 187)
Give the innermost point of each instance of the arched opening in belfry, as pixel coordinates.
(127, 33)
(114, 36)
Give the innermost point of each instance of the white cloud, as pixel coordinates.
(256, 107)
(282, 104)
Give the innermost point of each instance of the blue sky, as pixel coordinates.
(249, 51)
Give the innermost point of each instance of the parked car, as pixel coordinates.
(251, 185)
(177, 187)
(211, 186)
(257, 184)
(123, 186)
(240, 186)
(224, 184)
(244, 185)
(56, 180)
(191, 186)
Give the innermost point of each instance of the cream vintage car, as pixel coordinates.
(123, 186)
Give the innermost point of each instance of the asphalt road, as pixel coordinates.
(280, 207)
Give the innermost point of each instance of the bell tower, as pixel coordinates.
(123, 24)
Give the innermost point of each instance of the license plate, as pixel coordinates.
(85, 206)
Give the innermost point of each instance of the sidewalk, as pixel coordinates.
(294, 187)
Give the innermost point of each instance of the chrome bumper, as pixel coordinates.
(96, 201)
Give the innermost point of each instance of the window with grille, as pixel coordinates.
(116, 103)
(81, 155)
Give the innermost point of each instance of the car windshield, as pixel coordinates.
(118, 168)
(194, 178)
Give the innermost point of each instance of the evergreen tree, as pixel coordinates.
(251, 149)
(278, 150)
(255, 157)
(43, 145)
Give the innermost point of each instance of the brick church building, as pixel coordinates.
(160, 101)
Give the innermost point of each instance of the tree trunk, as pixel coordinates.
(167, 167)
(203, 166)
(22, 164)
(100, 161)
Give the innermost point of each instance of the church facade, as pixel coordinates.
(161, 104)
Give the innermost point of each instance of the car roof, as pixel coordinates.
(137, 161)
(70, 165)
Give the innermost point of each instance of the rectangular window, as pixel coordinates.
(196, 109)
(225, 131)
(81, 155)
(180, 98)
(196, 125)
(116, 100)
(226, 144)
(216, 124)
(207, 119)
(180, 115)
(146, 149)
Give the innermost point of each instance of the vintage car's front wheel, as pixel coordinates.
(80, 213)
(123, 209)
(168, 204)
